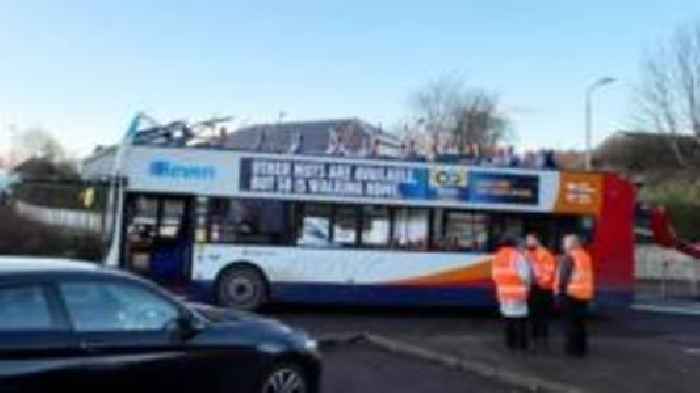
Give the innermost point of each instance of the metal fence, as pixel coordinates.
(666, 272)
(78, 220)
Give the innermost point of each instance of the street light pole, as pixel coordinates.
(589, 117)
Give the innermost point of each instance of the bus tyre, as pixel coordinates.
(242, 287)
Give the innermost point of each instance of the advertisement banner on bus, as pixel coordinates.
(485, 187)
(273, 176)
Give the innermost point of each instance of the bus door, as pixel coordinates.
(159, 237)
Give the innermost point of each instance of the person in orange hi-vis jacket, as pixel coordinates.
(541, 299)
(511, 275)
(575, 287)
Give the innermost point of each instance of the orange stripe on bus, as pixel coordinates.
(457, 277)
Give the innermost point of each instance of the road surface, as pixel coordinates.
(358, 368)
(632, 350)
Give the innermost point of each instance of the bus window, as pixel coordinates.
(315, 226)
(587, 229)
(222, 221)
(563, 225)
(411, 229)
(201, 219)
(142, 219)
(145, 211)
(171, 221)
(505, 224)
(467, 231)
(375, 226)
(513, 225)
(440, 243)
(544, 226)
(345, 226)
(249, 221)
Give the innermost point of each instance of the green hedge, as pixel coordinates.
(682, 199)
(61, 195)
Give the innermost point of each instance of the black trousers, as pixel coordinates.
(516, 336)
(540, 306)
(575, 313)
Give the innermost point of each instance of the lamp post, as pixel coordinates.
(589, 117)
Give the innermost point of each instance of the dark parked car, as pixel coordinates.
(74, 327)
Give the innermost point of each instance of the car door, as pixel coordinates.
(123, 329)
(38, 353)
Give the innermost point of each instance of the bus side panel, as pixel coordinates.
(369, 277)
(613, 247)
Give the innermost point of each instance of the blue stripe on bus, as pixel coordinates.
(383, 295)
(391, 295)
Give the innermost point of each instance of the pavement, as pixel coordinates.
(613, 365)
(639, 350)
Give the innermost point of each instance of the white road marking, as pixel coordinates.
(692, 351)
(688, 309)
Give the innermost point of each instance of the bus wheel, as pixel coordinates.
(242, 287)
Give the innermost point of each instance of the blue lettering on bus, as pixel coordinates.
(163, 168)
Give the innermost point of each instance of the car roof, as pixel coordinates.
(26, 269)
(25, 264)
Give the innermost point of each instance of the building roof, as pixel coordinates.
(315, 135)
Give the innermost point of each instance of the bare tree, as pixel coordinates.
(447, 106)
(669, 97)
(38, 143)
(479, 122)
(438, 102)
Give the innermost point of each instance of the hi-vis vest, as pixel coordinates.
(581, 282)
(544, 266)
(504, 272)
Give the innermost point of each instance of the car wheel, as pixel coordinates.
(243, 288)
(286, 378)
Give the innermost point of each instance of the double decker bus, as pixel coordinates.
(245, 228)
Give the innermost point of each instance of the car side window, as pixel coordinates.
(102, 306)
(24, 307)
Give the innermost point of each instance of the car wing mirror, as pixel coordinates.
(186, 327)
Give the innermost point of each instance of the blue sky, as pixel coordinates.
(81, 68)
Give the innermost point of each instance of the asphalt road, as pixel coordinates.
(665, 337)
(329, 320)
(360, 369)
